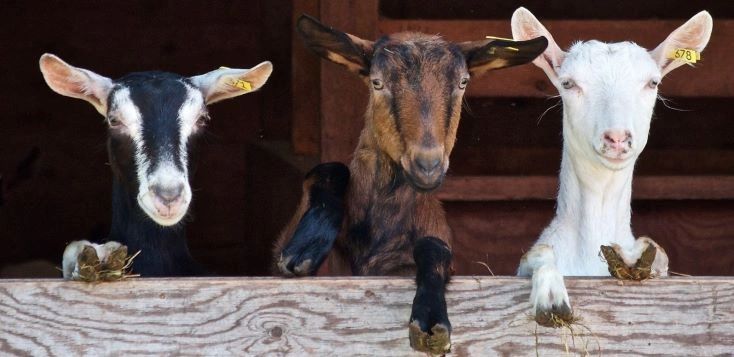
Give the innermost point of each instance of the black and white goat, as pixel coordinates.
(152, 119)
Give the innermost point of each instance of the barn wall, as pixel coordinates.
(55, 184)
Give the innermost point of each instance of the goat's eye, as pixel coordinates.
(377, 84)
(464, 81)
(653, 83)
(568, 84)
(114, 122)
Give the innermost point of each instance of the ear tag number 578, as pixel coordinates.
(685, 55)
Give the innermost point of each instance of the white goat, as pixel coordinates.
(608, 92)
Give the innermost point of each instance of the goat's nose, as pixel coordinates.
(168, 195)
(427, 164)
(618, 139)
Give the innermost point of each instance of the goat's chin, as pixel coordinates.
(167, 221)
(424, 187)
(616, 164)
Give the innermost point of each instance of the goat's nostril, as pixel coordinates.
(168, 194)
(617, 137)
(427, 165)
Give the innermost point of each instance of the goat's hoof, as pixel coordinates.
(85, 261)
(289, 267)
(645, 260)
(555, 316)
(437, 341)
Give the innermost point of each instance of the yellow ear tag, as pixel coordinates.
(238, 83)
(503, 39)
(685, 55)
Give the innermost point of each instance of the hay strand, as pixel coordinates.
(117, 266)
(642, 270)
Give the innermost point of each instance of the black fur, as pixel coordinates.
(320, 224)
(433, 260)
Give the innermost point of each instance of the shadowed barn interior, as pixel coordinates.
(55, 187)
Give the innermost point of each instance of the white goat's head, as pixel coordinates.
(609, 89)
(151, 117)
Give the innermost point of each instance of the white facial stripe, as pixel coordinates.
(188, 114)
(127, 111)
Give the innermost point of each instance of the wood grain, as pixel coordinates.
(354, 316)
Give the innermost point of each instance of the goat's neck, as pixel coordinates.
(163, 250)
(594, 201)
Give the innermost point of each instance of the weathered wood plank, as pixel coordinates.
(499, 188)
(354, 316)
(529, 81)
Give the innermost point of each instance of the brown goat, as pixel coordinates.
(393, 224)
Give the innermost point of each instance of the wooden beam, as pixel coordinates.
(707, 80)
(348, 316)
(503, 188)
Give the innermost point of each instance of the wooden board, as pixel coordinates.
(352, 316)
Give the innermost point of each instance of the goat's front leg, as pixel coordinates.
(548, 295)
(306, 241)
(92, 262)
(430, 329)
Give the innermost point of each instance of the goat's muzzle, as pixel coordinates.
(166, 205)
(616, 147)
(426, 170)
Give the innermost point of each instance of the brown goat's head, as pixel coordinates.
(417, 84)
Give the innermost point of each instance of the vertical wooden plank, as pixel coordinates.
(306, 69)
(344, 96)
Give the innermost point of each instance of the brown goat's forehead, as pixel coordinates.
(414, 51)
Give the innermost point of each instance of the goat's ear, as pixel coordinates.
(76, 82)
(485, 55)
(336, 46)
(693, 35)
(526, 26)
(225, 83)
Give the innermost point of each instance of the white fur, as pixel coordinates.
(611, 91)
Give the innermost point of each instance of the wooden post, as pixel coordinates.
(306, 89)
(344, 98)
